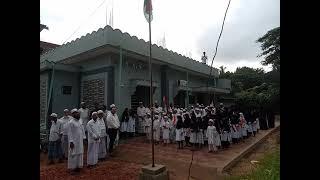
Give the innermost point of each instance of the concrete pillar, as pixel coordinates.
(159, 172)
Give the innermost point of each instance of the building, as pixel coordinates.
(108, 66)
(46, 46)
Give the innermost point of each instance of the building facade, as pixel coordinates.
(108, 66)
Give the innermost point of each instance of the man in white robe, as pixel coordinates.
(93, 130)
(141, 112)
(113, 125)
(64, 132)
(76, 135)
(102, 134)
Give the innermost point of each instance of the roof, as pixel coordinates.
(114, 37)
(46, 46)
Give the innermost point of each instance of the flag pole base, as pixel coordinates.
(158, 172)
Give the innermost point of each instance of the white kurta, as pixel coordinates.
(156, 129)
(75, 135)
(166, 130)
(224, 136)
(179, 134)
(213, 136)
(200, 137)
(102, 143)
(250, 127)
(131, 125)
(93, 129)
(244, 129)
(254, 126)
(124, 126)
(54, 131)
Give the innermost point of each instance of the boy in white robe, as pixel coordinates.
(148, 127)
(156, 129)
(102, 135)
(166, 131)
(76, 135)
(213, 137)
(93, 130)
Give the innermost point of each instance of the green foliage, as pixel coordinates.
(270, 45)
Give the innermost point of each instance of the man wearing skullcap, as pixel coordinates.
(113, 125)
(93, 129)
(76, 135)
(54, 148)
(102, 134)
(64, 120)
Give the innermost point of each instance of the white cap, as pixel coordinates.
(82, 103)
(66, 110)
(54, 115)
(221, 103)
(210, 120)
(112, 106)
(148, 113)
(100, 112)
(94, 113)
(165, 116)
(74, 110)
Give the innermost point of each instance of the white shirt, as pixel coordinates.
(54, 131)
(141, 111)
(113, 121)
(93, 129)
(64, 123)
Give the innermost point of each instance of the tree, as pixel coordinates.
(270, 45)
(222, 68)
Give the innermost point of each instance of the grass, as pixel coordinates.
(268, 168)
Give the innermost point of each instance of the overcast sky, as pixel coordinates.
(190, 27)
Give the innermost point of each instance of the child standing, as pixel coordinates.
(179, 132)
(156, 129)
(213, 137)
(131, 123)
(148, 127)
(166, 130)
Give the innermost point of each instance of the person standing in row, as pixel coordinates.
(213, 137)
(54, 148)
(141, 112)
(148, 127)
(166, 131)
(102, 135)
(76, 135)
(131, 123)
(64, 132)
(113, 125)
(93, 130)
(179, 132)
(124, 123)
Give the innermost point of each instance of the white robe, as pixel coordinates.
(93, 129)
(84, 117)
(179, 134)
(166, 130)
(156, 130)
(76, 135)
(64, 131)
(102, 133)
(213, 136)
(131, 125)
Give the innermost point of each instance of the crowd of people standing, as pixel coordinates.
(196, 127)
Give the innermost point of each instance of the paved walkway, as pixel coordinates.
(204, 166)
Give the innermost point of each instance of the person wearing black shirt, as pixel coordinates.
(194, 127)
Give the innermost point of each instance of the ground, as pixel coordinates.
(132, 154)
(268, 166)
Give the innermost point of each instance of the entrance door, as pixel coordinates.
(179, 99)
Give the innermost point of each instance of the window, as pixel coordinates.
(66, 90)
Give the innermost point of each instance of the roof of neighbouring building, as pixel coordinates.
(46, 46)
(114, 37)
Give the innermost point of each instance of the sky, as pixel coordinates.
(190, 27)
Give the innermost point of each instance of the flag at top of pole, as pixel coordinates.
(147, 10)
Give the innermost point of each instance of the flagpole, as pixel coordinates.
(151, 88)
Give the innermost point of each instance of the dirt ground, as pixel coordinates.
(244, 166)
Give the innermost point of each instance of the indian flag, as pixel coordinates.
(147, 9)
